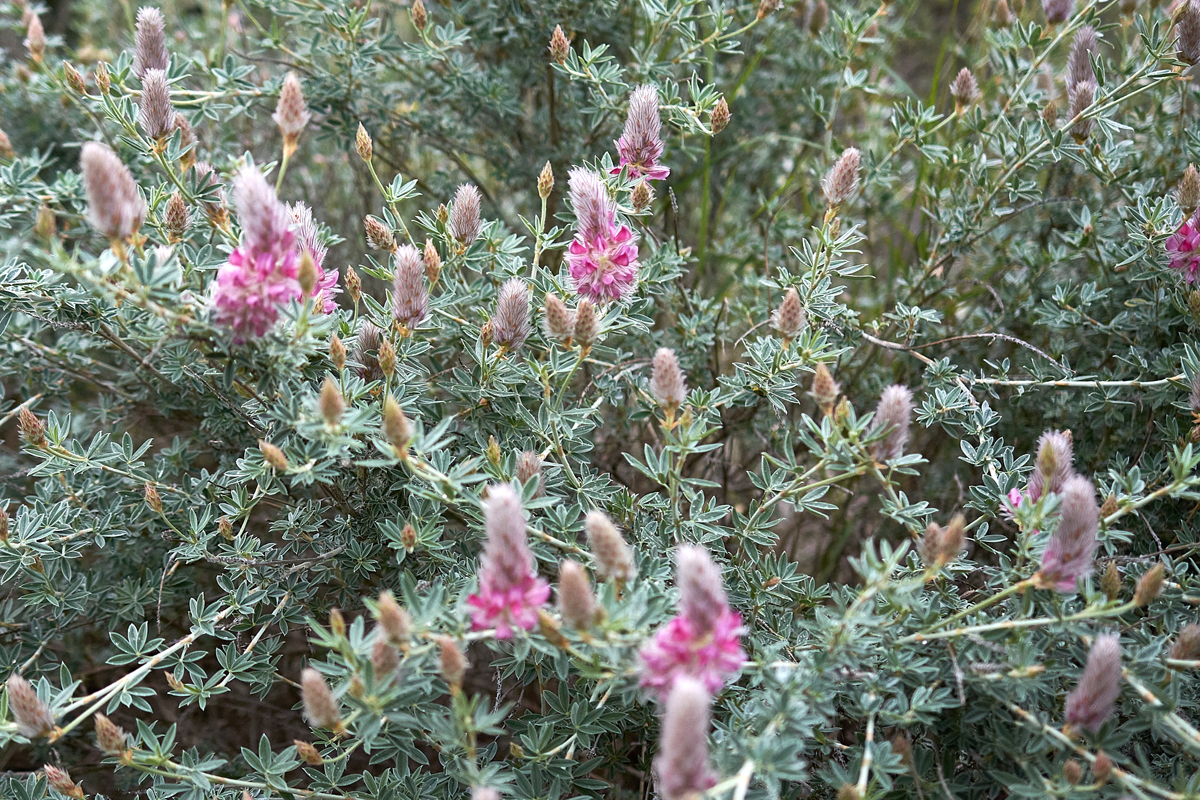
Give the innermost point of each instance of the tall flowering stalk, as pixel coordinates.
(703, 641)
(641, 146)
(115, 207)
(261, 274)
(510, 591)
(603, 257)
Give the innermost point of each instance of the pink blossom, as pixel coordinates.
(602, 260)
(679, 649)
(309, 240)
(510, 591)
(641, 145)
(1184, 249)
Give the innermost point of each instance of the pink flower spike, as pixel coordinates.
(1184, 249)
(510, 591)
(641, 145)
(603, 258)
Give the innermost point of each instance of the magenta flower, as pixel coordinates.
(1184, 249)
(261, 273)
(703, 641)
(641, 145)
(309, 240)
(510, 591)
(602, 260)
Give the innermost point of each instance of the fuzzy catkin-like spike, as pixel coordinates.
(559, 45)
(410, 295)
(575, 598)
(529, 466)
(667, 382)
(941, 545)
(385, 658)
(587, 324)
(379, 235)
(840, 183)
(614, 558)
(176, 217)
(702, 597)
(266, 225)
(510, 323)
(559, 320)
(1149, 586)
(115, 208)
(451, 661)
(1187, 43)
(641, 146)
(682, 762)
(366, 351)
(825, 389)
(150, 42)
(32, 716)
(60, 781)
(291, 113)
(35, 38)
(1058, 11)
(320, 707)
(1079, 60)
(1188, 191)
(789, 319)
(1187, 644)
(964, 89)
(510, 591)
(1110, 583)
(1102, 768)
(393, 619)
(1082, 96)
(1053, 466)
(465, 221)
(331, 402)
(109, 737)
(719, 116)
(1093, 700)
(396, 428)
(156, 115)
(1070, 551)
(595, 211)
(894, 414)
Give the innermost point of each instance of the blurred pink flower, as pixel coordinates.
(1184, 249)
(510, 591)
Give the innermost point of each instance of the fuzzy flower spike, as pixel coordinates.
(703, 641)
(641, 145)
(602, 260)
(510, 591)
(308, 238)
(1183, 249)
(262, 270)
(1070, 551)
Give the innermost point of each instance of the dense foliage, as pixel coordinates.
(343, 451)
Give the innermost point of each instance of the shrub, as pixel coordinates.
(596, 399)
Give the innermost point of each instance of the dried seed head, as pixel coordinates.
(1110, 583)
(451, 661)
(1188, 192)
(1102, 768)
(1079, 59)
(825, 389)
(1001, 16)
(320, 707)
(575, 598)
(353, 285)
(545, 181)
(719, 116)
(385, 659)
(109, 737)
(529, 466)
(1149, 586)
(31, 430)
(331, 403)
(310, 754)
(893, 414)
(682, 762)
(1053, 466)
(32, 716)
(420, 18)
(587, 324)
(176, 218)
(273, 456)
(73, 78)
(433, 262)
(61, 782)
(465, 221)
(820, 15)
(614, 558)
(789, 319)
(35, 38)
(1093, 699)
(387, 358)
(1072, 771)
(362, 143)
(1058, 10)
(559, 46)
(964, 90)
(1081, 96)
(1070, 551)
(152, 498)
(291, 113)
(841, 181)
(6, 148)
(559, 320)
(115, 208)
(641, 196)
(510, 324)
(1187, 644)
(337, 353)
(379, 235)
(410, 295)
(150, 42)
(156, 115)
(667, 382)
(396, 428)
(393, 619)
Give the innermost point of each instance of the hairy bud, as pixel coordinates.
(1188, 192)
(149, 42)
(575, 598)
(545, 181)
(433, 262)
(396, 428)
(1001, 16)
(559, 46)
(73, 78)
(465, 222)
(225, 528)
(109, 737)
(451, 662)
(410, 295)
(353, 285)
(385, 659)
(115, 208)
(32, 716)
(393, 619)
(35, 38)
(152, 498)
(1050, 113)
(45, 224)
(587, 324)
(1093, 699)
(719, 116)
(273, 456)
(1072, 771)
(331, 403)
(1069, 553)
(1187, 644)
(682, 762)
(310, 754)
(337, 353)
(941, 545)
(291, 113)
(1110, 583)
(1081, 96)
(510, 324)
(1148, 586)
(614, 559)
(789, 319)
(641, 196)
(529, 466)
(320, 707)
(387, 358)
(1187, 43)
(1102, 768)
(825, 389)
(1079, 59)
(420, 17)
(31, 430)
(363, 144)
(667, 382)
(176, 217)
(964, 90)
(894, 415)
(1053, 466)
(61, 782)
(484, 793)
(379, 235)
(103, 80)
(840, 183)
(559, 320)
(156, 115)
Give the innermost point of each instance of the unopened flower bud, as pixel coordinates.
(824, 389)
(529, 466)
(1102, 768)
(559, 46)
(3, 526)
(379, 235)
(841, 181)
(433, 262)
(175, 218)
(789, 319)
(510, 324)
(73, 78)
(613, 557)
(420, 18)
(719, 117)
(1001, 16)
(1110, 582)
(893, 414)
(545, 181)
(320, 707)
(152, 498)
(353, 285)
(485, 334)
(103, 80)
(35, 39)
(45, 223)
(941, 545)
(308, 753)
(31, 430)
(550, 630)
(306, 275)
(396, 428)
(32, 716)
(1148, 586)
(667, 382)
(408, 537)
(1093, 699)
(820, 15)
(575, 598)
(442, 214)
(291, 113)
(385, 659)
(492, 452)
(1072, 771)
(337, 353)
(337, 623)
(331, 403)
(387, 358)
(273, 456)
(1110, 506)
(109, 737)
(115, 207)
(848, 791)
(641, 196)
(61, 782)
(451, 662)
(1189, 190)
(587, 324)
(362, 143)
(964, 90)
(1050, 114)
(559, 321)
(1187, 42)
(393, 619)
(465, 222)
(1187, 644)
(225, 528)
(6, 148)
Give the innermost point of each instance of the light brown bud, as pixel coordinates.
(393, 619)
(824, 389)
(1109, 507)
(320, 707)
(451, 662)
(1148, 586)
(408, 537)
(587, 324)
(109, 737)
(545, 181)
(820, 15)
(337, 353)
(31, 429)
(719, 117)
(152, 498)
(175, 218)
(61, 782)
(1188, 192)
(1102, 768)
(3, 526)
(1050, 113)
(353, 285)
(45, 224)
(103, 80)
(385, 659)
(387, 357)
(1072, 771)
(225, 528)
(1001, 16)
(306, 275)
(74, 79)
(575, 599)
(337, 623)
(433, 263)
(310, 754)
(362, 143)
(559, 45)
(641, 196)
(492, 452)
(396, 428)
(379, 235)
(1110, 583)
(273, 456)
(420, 18)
